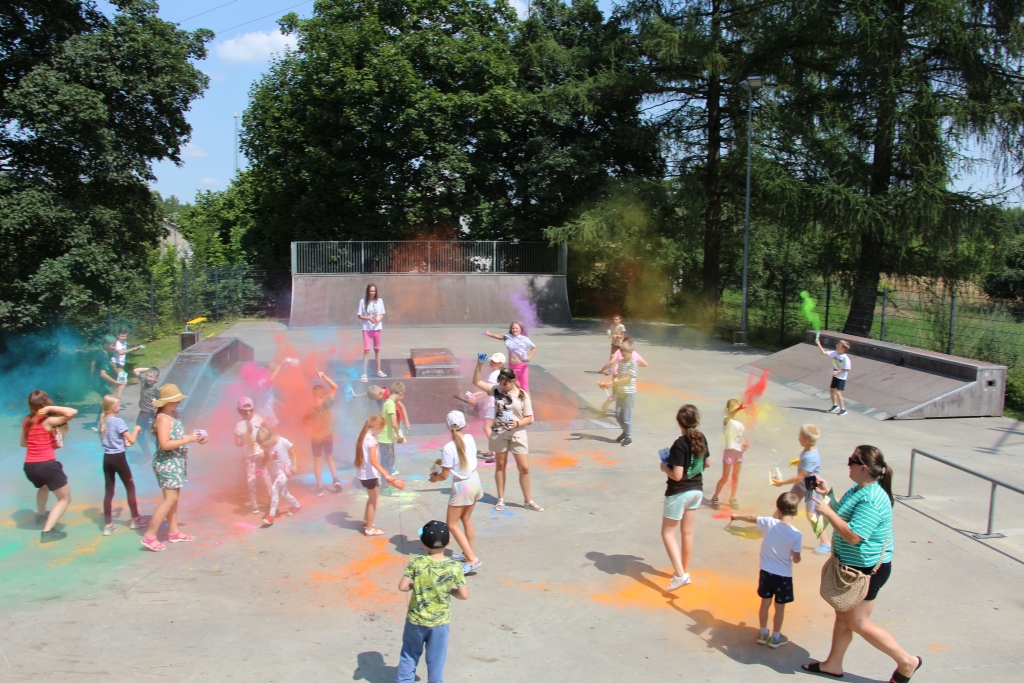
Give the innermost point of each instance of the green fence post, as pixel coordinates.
(782, 320)
(885, 298)
(828, 300)
(185, 274)
(952, 322)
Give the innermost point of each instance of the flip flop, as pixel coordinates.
(500, 505)
(815, 668)
(897, 677)
(373, 532)
(530, 505)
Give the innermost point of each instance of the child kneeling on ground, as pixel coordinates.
(432, 579)
(780, 548)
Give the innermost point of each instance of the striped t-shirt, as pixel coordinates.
(628, 368)
(868, 512)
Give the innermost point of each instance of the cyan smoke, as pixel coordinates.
(56, 362)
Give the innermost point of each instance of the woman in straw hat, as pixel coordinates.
(169, 466)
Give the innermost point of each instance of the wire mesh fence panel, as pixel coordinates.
(422, 257)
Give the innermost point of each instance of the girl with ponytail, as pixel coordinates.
(687, 459)
(458, 458)
(368, 465)
(115, 438)
(732, 457)
(863, 541)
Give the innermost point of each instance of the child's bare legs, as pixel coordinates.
(523, 464)
(329, 457)
(780, 613)
(736, 478)
(371, 506)
(167, 507)
(63, 495)
(679, 553)
(726, 475)
(464, 514)
(488, 426)
(317, 461)
(366, 358)
(120, 387)
(762, 613)
(842, 403)
(500, 463)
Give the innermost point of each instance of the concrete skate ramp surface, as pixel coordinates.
(889, 381)
(484, 298)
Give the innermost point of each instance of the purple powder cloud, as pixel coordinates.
(526, 311)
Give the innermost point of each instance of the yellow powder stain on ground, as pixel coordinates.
(368, 582)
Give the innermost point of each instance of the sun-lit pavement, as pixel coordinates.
(570, 594)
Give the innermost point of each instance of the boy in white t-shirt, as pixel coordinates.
(279, 459)
(840, 371)
(246, 432)
(780, 549)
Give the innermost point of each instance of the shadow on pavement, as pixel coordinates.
(370, 667)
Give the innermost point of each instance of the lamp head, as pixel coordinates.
(752, 83)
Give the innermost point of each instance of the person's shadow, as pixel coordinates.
(26, 519)
(370, 667)
(736, 641)
(579, 436)
(343, 520)
(405, 545)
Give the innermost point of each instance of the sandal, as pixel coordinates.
(153, 544)
(815, 668)
(180, 537)
(380, 373)
(500, 505)
(715, 504)
(363, 378)
(897, 677)
(530, 505)
(373, 532)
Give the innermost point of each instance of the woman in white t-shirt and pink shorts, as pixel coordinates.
(458, 459)
(371, 312)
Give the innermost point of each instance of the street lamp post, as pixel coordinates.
(750, 85)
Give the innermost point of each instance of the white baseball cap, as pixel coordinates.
(456, 419)
(498, 358)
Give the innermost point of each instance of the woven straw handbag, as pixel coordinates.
(845, 588)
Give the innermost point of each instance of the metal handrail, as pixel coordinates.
(995, 483)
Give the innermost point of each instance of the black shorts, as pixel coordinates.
(369, 483)
(49, 474)
(877, 581)
(772, 585)
(839, 384)
(321, 447)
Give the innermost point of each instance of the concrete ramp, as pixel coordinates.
(889, 381)
(320, 300)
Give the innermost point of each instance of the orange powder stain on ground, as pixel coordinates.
(726, 597)
(557, 462)
(367, 583)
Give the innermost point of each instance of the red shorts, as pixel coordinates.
(371, 335)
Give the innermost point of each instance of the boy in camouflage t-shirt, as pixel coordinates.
(432, 579)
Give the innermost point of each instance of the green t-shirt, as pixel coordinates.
(868, 512)
(387, 410)
(430, 602)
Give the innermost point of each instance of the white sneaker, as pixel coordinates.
(108, 529)
(678, 582)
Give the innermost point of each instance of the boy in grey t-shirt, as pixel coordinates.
(808, 463)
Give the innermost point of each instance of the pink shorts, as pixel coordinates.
(731, 456)
(371, 335)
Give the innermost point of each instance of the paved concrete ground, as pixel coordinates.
(570, 594)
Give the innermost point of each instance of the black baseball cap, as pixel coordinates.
(435, 534)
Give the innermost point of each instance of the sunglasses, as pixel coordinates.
(851, 462)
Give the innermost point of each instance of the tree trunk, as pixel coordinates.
(712, 272)
(872, 240)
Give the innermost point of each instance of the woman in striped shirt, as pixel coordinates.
(863, 533)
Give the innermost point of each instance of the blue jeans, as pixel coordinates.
(624, 413)
(414, 639)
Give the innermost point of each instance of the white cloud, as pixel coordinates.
(255, 47)
(521, 8)
(212, 182)
(193, 151)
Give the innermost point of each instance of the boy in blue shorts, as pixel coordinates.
(780, 549)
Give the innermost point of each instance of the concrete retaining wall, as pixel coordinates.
(485, 298)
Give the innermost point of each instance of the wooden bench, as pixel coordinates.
(724, 331)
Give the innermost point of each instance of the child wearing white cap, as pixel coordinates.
(245, 438)
(458, 459)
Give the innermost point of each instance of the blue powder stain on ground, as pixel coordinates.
(9, 548)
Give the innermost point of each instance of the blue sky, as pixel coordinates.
(247, 37)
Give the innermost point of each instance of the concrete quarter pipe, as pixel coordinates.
(320, 300)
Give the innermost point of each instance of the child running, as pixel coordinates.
(246, 432)
(617, 332)
(780, 549)
(368, 465)
(458, 458)
(115, 438)
(612, 368)
(431, 579)
(809, 463)
(520, 352)
(624, 386)
(732, 457)
(840, 371)
(319, 421)
(278, 457)
(42, 431)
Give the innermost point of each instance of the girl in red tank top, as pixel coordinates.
(41, 433)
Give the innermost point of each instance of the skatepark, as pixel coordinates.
(312, 599)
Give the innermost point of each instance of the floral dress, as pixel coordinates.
(169, 466)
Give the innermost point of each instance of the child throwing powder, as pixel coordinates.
(809, 463)
(278, 457)
(840, 372)
(780, 549)
(732, 456)
(246, 431)
(368, 465)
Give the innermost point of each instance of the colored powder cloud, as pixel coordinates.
(526, 310)
(807, 306)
